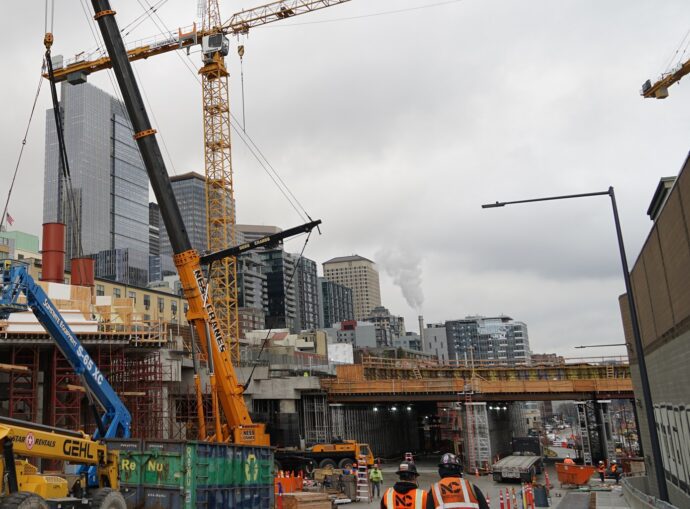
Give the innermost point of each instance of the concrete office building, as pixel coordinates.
(357, 334)
(360, 275)
(388, 327)
(336, 303)
(499, 339)
(109, 182)
(436, 342)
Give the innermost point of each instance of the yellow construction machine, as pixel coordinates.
(24, 487)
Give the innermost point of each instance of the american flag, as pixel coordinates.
(10, 219)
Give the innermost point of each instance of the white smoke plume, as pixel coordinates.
(406, 270)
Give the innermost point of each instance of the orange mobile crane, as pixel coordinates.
(227, 394)
(220, 212)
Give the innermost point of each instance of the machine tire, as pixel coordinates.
(328, 462)
(23, 500)
(498, 477)
(346, 463)
(309, 467)
(108, 498)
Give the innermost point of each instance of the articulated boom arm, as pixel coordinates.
(16, 281)
(79, 67)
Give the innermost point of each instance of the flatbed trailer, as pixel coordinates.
(516, 468)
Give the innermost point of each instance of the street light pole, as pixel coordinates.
(642, 365)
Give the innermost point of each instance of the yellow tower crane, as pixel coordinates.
(659, 89)
(220, 205)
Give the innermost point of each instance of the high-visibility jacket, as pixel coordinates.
(454, 493)
(568, 461)
(413, 499)
(601, 469)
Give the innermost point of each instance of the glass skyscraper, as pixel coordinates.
(110, 184)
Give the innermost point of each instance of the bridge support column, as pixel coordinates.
(606, 442)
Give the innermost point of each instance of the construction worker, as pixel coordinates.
(568, 460)
(602, 471)
(404, 494)
(615, 471)
(376, 478)
(452, 490)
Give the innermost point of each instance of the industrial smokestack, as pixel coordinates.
(421, 329)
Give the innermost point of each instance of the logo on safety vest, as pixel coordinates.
(251, 468)
(30, 440)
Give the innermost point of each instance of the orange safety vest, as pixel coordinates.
(413, 499)
(568, 461)
(602, 469)
(454, 493)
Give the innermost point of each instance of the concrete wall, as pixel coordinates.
(661, 286)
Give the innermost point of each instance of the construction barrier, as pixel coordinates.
(287, 482)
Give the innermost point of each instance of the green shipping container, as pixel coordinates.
(187, 475)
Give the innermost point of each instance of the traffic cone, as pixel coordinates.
(514, 498)
(546, 478)
(500, 499)
(488, 499)
(476, 472)
(508, 499)
(523, 494)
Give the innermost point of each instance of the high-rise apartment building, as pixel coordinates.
(360, 275)
(293, 300)
(308, 304)
(109, 182)
(498, 339)
(336, 303)
(282, 301)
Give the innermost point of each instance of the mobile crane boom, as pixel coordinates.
(201, 313)
(116, 420)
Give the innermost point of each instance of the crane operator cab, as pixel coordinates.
(212, 44)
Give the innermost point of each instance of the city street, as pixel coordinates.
(429, 475)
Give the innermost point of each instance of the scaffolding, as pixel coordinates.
(23, 385)
(315, 419)
(140, 375)
(66, 394)
(184, 418)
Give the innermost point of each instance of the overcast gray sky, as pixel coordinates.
(394, 129)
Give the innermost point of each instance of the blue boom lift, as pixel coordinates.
(116, 420)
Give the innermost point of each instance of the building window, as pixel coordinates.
(147, 302)
(133, 296)
(100, 290)
(173, 308)
(161, 305)
(116, 293)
